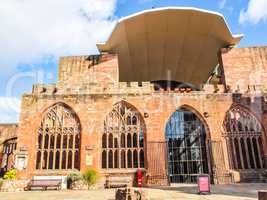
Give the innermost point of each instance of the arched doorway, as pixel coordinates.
(244, 138)
(186, 141)
(123, 138)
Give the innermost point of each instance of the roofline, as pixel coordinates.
(236, 36)
(8, 124)
(169, 8)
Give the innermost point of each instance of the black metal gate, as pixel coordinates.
(187, 155)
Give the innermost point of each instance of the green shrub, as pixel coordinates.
(1, 182)
(75, 176)
(90, 176)
(10, 174)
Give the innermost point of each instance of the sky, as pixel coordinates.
(35, 33)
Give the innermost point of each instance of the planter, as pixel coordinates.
(78, 185)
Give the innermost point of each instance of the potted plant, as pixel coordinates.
(75, 181)
(10, 174)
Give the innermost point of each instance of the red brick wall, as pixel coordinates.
(244, 66)
(92, 107)
(92, 110)
(245, 71)
(76, 70)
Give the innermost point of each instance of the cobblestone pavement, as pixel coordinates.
(181, 191)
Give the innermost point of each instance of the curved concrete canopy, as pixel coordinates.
(170, 43)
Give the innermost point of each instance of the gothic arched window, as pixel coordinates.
(8, 149)
(58, 140)
(243, 135)
(123, 139)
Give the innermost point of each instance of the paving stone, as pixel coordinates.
(183, 192)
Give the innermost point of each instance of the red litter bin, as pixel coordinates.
(139, 177)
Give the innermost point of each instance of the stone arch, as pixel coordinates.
(8, 152)
(246, 109)
(197, 113)
(125, 123)
(245, 138)
(186, 137)
(61, 126)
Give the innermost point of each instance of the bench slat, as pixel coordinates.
(45, 183)
(117, 181)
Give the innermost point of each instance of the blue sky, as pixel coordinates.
(35, 33)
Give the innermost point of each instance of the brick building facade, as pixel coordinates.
(8, 143)
(171, 130)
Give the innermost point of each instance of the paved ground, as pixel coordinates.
(183, 192)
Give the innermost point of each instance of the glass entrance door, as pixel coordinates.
(187, 156)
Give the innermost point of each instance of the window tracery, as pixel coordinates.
(58, 140)
(123, 139)
(243, 134)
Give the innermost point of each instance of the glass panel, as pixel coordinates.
(186, 138)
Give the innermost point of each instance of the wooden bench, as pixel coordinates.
(44, 184)
(262, 195)
(117, 181)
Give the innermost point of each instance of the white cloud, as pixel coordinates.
(144, 1)
(255, 12)
(222, 4)
(31, 29)
(9, 110)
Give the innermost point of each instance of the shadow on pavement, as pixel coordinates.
(238, 190)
